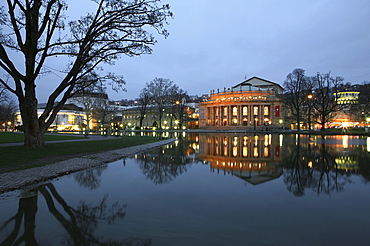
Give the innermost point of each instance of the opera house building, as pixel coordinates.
(254, 104)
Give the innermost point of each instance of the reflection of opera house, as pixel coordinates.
(255, 159)
(253, 104)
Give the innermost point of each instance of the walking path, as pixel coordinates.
(19, 179)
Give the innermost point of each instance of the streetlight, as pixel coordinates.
(281, 123)
(309, 97)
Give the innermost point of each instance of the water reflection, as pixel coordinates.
(79, 222)
(196, 209)
(163, 165)
(313, 166)
(90, 178)
(323, 164)
(254, 158)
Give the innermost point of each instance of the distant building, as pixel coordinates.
(347, 97)
(131, 118)
(253, 104)
(69, 118)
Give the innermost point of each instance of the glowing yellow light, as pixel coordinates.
(309, 164)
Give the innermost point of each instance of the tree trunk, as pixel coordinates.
(298, 122)
(33, 132)
(322, 126)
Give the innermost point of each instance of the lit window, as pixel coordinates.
(235, 111)
(245, 111)
(266, 110)
(255, 110)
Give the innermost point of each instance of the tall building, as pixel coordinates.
(254, 104)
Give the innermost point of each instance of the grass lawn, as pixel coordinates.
(19, 157)
(15, 137)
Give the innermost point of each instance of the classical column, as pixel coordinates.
(229, 115)
(240, 115)
(261, 115)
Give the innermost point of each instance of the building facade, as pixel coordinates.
(169, 119)
(255, 159)
(69, 118)
(254, 104)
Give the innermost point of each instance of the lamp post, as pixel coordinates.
(309, 97)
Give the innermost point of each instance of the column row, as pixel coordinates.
(239, 115)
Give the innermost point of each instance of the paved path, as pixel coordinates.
(18, 179)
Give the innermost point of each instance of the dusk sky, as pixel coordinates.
(216, 44)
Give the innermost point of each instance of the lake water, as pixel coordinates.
(206, 189)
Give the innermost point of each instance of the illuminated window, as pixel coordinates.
(266, 110)
(225, 111)
(235, 141)
(245, 111)
(255, 110)
(255, 151)
(71, 119)
(245, 151)
(235, 111)
(235, 151)
(245, 141)
(19, 118)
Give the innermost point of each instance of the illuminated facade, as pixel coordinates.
(131, 118)
(254, 158)
(347, 97)
(253, 104)
(69, 118)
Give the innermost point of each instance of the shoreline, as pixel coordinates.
(16, 180)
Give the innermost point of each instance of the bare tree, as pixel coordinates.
(179, 97)
(159, 92)
(297, 87)
(3, 94)
(104, 111)
(326, 103)
(143, 101)
(38, 30)
(7, 111)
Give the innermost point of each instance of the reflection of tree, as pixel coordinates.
(312, 167)
(364, 165)
(90, 178)
(164, 164)
(79, 222)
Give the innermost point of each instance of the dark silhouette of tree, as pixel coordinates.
(297, 86)
(144, 100)
(312, 167)
(159, 89)
(90, 178)
(38, 31)
(178, 108)
(164, 164)
(7, 112)
(79, 222)
(325, 103)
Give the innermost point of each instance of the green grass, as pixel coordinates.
(19, 157)
(14, 137)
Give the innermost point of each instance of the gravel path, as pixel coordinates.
(19, 179)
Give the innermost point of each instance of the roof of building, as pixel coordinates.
(256, 81)
(69, 106)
